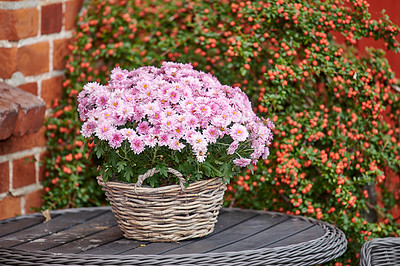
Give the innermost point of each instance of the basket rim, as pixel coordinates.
(147, 189)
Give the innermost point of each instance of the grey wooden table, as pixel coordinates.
(90, 236)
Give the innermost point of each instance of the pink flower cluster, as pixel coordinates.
(174, 106)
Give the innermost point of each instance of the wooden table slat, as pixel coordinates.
(19, 225)
(226, 220)
(116, 247)
(95, 240)
(92, 225)
(308, 234)
(262, 238)
(56, 224)
(235, 234)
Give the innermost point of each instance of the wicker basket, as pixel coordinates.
(165, 214)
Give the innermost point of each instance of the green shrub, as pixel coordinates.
(336, 108)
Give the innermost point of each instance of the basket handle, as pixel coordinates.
(151, 172)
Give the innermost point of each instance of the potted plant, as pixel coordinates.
(178, 131)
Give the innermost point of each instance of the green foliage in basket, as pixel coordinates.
(336, 108)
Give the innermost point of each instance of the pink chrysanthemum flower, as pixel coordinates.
(124, 112)
(163, 140)
(137, 145)
(223, 120)
(106, 114)
(192, 121)
(175, 144)
(169, 112)
(155, 118)
(114, 102)
(168, 124)
(128, 133)
(266, 153)
(173, 96)
(116, 139)
(148, 95)
(104, 130)
(171, 71)
(187, 104)
(203, 111)
(179, 131)
(82, 109)
(201, 154)
(150, 140)
(143, 128)
(102, 100)
(242, 162)
(211, 134)
(238, 132)
(236, 116)
(232, 148)
(118, 75)
(88, 128)
(151, 108)
(198, 140)
(144, 86)
(91, 86)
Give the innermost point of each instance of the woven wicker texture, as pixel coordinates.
(165, 214)
(323, 249)
(381, 251)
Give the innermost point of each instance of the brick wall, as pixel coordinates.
(34, 36)
(392, 8)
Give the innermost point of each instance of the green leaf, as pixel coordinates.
(227, 173)
(215, 170)
(218, 162)
(198, 176)
(121, 166)
(251, 168)
(153, 181)
(128, 173)
(98, 150)
(107, 175)
(206, 169)
(163, 168)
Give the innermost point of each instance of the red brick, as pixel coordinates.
(60, 52)
(24, 173)
(30, 87)
(4, 177)
(51, 18)
(18, 24)
(8, 59)
(51, 90)
(31, 109)
(30, 119)
(71, 11)
(8, 118)
(15, 144)
(10, 207)
(33, 59)
(33, 200)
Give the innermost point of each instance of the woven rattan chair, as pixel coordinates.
(381, 251)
